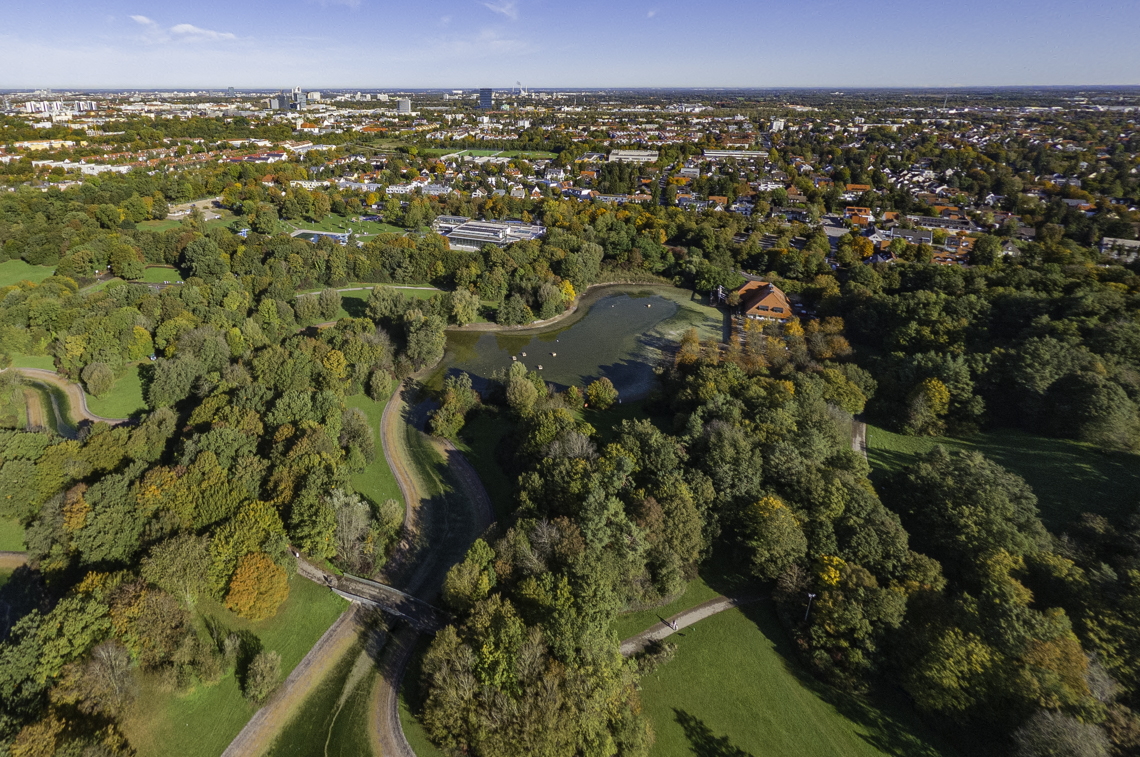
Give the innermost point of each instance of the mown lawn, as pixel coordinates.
(11, 535)
(203, 723)
(43, 362)
(15, 271)
(376, 482)
(1068, 477)
(734, 689)
(160, 274)
(334, 719)
(125, 397)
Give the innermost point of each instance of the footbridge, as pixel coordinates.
(422, 616)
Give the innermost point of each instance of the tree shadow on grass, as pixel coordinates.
(356, 307)
(887, 719)
(704, 743)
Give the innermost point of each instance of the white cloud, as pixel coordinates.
(189, 31)
(354, 4)
(651, 13)
(508, 8)
(143, 20)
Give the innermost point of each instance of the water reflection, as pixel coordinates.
(619, 337)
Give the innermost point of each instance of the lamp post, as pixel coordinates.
(810, 598)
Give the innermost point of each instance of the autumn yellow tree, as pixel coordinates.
(258, 588)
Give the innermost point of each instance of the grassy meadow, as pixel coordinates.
(1068, 477)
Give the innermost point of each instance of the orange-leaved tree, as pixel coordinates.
(258, 588)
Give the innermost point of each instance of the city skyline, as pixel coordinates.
(468, 44)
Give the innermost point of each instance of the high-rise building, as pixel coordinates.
(404, 105)
(486, 99)
(230, 92)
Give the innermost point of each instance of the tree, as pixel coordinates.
(1054, 734)
(204, 260)
(126, 262)
(464, 306)
(98, 379)
(521, 392)
(601, 394)
(514, 312)
(262, 677)
(329, 303)
(774, 537)
(986, 251)
(179, 566)
(258, 587)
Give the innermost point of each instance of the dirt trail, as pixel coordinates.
(75, 395)
(12, 560)
(388, 734)
(36, 417)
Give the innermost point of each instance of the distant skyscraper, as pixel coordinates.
(404, 106)
(486, 99)
(230, 93)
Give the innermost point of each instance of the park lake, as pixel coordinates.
(617, 332)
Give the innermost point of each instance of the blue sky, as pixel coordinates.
(559, 43)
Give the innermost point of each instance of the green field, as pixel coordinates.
(375, 482)
(1068, 477)
(204, 722)
(333, 720)
(43, 362)
(159, 274)
(124, 398)
(11, 535)
(735, 689)
(163, 225)
(15, 271)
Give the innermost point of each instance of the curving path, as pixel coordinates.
(77, 398)
(418, 565)
(429, 572)
(684, 619)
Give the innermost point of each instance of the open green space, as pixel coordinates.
(159, 274)
(529, 154)
(376, 482)
(735, 689)
(125, 397)
(1068, 477)
(333, 720)
(163, 225)
(43, 362)
(204, 722)
(15, 271)
(11, 535)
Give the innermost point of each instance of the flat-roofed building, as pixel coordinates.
(486, 99)
(465, 234)
(633, 156)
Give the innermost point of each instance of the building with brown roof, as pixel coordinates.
(760, 299)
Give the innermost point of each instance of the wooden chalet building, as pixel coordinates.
(759, 299)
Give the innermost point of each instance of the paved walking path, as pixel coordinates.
(683, 619)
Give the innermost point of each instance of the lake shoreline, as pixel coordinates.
(565, 314)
